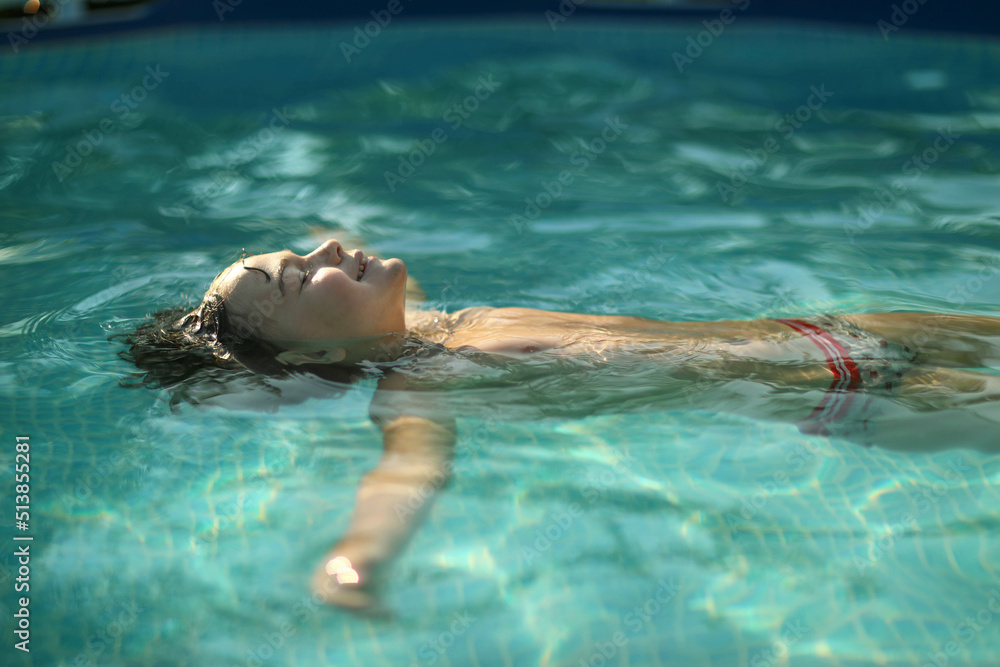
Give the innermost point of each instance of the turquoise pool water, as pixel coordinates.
(638, 537)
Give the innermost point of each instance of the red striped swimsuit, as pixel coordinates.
(876, 364)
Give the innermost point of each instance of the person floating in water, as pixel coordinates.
(892, 380)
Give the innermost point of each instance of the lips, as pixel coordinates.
(362, 265)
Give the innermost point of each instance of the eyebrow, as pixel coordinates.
(281, 274)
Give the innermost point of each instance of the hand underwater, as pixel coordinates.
(338, 582)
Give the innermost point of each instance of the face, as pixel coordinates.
(316, 297)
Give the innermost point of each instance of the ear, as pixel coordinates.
(298, 357)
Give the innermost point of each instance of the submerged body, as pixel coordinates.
(586, 363)
(769, 368)
(767, 343)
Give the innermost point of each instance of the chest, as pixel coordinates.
(510, 331)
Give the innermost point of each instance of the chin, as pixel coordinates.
(396, 261)
(397, 267)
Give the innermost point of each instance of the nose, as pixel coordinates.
(330, 249)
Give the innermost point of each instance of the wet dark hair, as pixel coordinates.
(177, 344)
